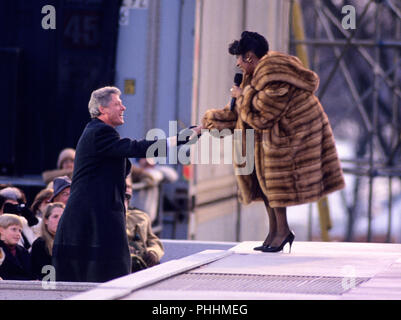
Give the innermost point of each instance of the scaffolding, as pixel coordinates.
(364, 63)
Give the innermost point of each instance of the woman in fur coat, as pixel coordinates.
(296, 160)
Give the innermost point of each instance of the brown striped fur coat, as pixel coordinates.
(296, 159)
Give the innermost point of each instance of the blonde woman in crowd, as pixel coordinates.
(42, 248)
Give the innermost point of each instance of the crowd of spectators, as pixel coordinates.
(27, 232)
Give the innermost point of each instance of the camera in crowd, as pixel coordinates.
(22, 210)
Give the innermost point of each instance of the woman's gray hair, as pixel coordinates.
(101, 97)
(11, 193)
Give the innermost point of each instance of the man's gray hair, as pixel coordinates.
(101, 97)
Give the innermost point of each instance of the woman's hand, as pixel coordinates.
(235, 92)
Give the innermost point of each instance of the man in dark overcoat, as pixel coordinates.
(91, 243)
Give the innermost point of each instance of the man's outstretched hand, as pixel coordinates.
(188, 135)
(197, 129)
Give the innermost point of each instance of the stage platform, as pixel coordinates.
(312, 271)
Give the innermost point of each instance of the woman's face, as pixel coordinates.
(53, 220)
(244, 65)
(43, 204)
(68, 163)
(247, 62)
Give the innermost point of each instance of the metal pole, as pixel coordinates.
(394, 129)
(195, 113)
(375, 116)
(310, 224)
(396, 137)
(390, 205)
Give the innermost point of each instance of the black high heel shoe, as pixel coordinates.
(289, 239)
(262, 247)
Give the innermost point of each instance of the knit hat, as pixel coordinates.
(11, 193)
(65, 154)
(59, 184)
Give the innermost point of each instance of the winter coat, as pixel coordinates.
(2, 256)
(28, 234)
(139, 230)
(16, 267)
(40, 257)
(295, 156)
(91, 242)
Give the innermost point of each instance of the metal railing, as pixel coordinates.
(374, 91)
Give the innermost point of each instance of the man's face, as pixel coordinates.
(113, 114)
(11, 235)
(63, 196)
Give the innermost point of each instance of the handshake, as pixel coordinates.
(177, 146)
(187, 135)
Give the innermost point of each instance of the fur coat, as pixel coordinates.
(139, 225)
(295, 156)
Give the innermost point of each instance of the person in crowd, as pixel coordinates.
(61, 189)
(17, 262)
(145, 247)
(13, 200)
(91, 240)
(2, 257)
(295, 155)
(65, 166)
(152, 176)
(38, 207)
(40, 202)
(41, 253)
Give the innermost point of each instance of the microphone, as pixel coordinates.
(237, 82)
